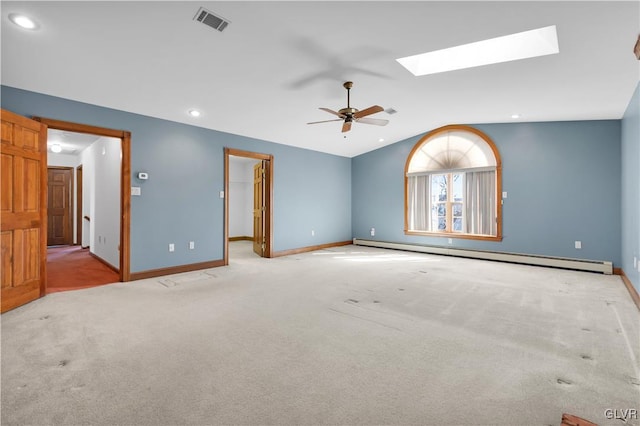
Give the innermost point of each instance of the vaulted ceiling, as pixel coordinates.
(276, 63)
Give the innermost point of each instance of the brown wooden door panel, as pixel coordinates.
(7, 132)
(23, 207)
(258, 208)
(31, 190)
(59, 189)
(26, 138)
(6, 171)
(6, 273)
(26, 259)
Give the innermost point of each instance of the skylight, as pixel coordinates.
(527, 44)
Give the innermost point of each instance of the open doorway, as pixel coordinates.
(95, 211)
(248, 204)
(87, 254)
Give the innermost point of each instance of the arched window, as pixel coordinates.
(452, 185)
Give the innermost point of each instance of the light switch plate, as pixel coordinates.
(135, 190)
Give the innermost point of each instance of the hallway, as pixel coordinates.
(73, 268)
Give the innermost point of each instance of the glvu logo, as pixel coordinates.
(621, 414)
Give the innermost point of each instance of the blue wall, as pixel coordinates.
(562, 180)
(631, 189)
(180, 201)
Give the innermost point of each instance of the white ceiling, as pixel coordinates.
(266, 75)
(71, 143)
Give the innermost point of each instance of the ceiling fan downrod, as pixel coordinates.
(348, 85)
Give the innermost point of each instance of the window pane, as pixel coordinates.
(439, 187)
(458, 186)
(442, 209)
(442, 223)
(434, 215)
(457, 224)
(457, 210)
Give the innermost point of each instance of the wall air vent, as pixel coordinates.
(208, 18)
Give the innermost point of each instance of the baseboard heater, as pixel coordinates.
(527, 259)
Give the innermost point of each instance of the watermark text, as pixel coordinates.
(623, 414)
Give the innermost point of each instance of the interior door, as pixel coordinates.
(59, 204)
(23, 210)
(258, 208)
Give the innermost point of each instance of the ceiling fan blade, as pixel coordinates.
(332, 112)
(325, 121)
(346, 126)
(376, 121)
(368, 111)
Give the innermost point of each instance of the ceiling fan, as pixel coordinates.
(349, 115)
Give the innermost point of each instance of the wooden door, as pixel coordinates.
(258, 208)
(59, 205)
(23, 210)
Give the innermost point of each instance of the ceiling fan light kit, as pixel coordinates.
(350, 115)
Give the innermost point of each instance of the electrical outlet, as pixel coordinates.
(373, 232)
(172, 247)
(450, 240)
(192, 245)
(578, 245)
(313, 233)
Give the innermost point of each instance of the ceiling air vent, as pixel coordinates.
(208, 18)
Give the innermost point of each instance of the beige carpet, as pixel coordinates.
(350, 335)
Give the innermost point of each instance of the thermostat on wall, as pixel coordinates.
(143, 176)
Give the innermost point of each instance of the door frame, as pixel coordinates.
(125, 181)
(71, 199)
(268, 197)
(79, 219)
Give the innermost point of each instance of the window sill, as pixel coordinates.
(455, 235)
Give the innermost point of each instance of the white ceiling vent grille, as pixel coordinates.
(208, 18)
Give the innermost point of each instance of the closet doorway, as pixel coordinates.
(248, 197)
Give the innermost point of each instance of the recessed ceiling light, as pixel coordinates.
(514, 116)
(527, 44)
(22, 21)
(381, 140)
(56, 148)
(194, 113)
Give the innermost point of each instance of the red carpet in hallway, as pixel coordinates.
(72, 268)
